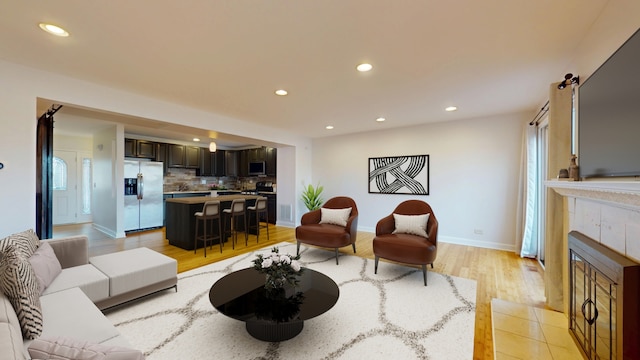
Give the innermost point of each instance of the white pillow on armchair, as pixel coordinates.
(335, 216)
(411, 224)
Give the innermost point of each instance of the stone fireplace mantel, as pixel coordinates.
(617, 193)
(606, 211)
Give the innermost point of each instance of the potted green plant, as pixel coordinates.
(311, 197)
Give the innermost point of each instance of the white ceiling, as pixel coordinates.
(486, 57)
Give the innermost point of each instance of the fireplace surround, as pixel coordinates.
(604, 300)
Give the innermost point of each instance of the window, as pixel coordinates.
(59, 174)
(86, 186)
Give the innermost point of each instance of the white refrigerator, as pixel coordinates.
(142, 195)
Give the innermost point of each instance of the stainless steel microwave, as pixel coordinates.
(257, 168)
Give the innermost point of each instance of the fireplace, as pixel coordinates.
(604, 300)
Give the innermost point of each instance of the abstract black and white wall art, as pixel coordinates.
(399, 175)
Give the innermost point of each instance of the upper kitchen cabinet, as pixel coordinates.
(270, 161)
(207, 163)
(266, 154)
(220, 168)
(161, 155)
(231, 160)
(257, 154)
(134, 148)
(192, 157)
(243, 163)
(183, 156)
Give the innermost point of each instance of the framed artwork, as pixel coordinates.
(399, 175)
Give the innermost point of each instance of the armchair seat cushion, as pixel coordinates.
(326, 235)
(406, 248)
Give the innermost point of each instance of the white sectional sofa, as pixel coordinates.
(71, 304)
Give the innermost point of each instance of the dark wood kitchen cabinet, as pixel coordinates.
(183, 156)
(271, 208)
(243, 163)
(231, 160)
(207, 163)
(220, 168)
(134, 148)
(192, 157)
(270, 160)
(161, 156)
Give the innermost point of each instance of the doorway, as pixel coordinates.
(71, 185)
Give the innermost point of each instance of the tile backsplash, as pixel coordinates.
(178, 179)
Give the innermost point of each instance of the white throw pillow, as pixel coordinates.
(45, 264)
(335, 216)
(411, 224)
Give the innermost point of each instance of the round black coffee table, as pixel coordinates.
(273, 316)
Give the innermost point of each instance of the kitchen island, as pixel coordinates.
(181, 222)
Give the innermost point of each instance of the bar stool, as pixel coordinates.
(260, 207)
(210, 212)
(236, 210)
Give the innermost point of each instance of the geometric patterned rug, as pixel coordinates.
(389, 315)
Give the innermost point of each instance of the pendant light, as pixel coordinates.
(212, 147)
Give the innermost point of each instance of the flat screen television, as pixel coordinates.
(608, 118)
(256, 168)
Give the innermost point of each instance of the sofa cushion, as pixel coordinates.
(45, 265)
(90, 280)
(11, 347)
(25, 242)
(335, 216)
(19, 283)
(71, 314)
(411, 224)
(10, 334)
(60, 348)
(134, 269)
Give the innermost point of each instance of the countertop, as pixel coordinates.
(203, 199)
(187, 192)
(208, 191)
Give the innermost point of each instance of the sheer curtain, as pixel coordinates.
(526, 224)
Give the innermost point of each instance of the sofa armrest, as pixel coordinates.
(71, 251)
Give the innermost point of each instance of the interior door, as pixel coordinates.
(65, 189)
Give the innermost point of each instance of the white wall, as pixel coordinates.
(73, 143)
(474, 167)
(105, 186)
(616, 24)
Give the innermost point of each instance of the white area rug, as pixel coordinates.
(391, 315)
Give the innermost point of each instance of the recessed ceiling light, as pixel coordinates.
(450, 108)
(364, 67)
(329, 127)
(196, 139)
(54, 30)
(380, 119)
(281, 92)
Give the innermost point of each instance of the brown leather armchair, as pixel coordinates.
(312, 232)
(407, 248)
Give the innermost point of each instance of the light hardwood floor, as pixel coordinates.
(499, 274)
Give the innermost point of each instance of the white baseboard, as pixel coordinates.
(108, 231)
(476, 243)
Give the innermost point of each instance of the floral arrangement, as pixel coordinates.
(217, 187)
(280, 269)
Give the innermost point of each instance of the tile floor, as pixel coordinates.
(524, 332)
